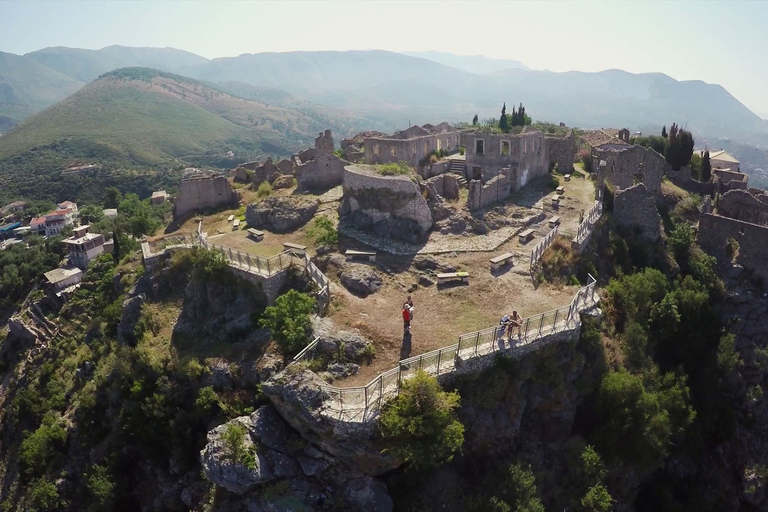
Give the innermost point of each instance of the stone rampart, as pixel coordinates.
(413, 151)
(685, 181)
(629, 165)
(392, 205)
(741, 205)
(481, 195)
(726, 180)
(636, 207)
(714, 232)
(201, 192)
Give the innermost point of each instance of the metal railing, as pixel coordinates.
(542, 246)
(363, 402)
(588, 223)
(252, 263)
(323, 295)
(308, 353)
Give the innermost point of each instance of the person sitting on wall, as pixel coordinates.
(515, 321)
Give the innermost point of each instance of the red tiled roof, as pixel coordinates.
(37, 221)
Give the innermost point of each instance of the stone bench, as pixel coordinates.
(230, 218)
(453, 276)
(560, 190)
(554, 221)
(371, 256)
(567, 177)
(255, 234)
(556, 202)
(501, 260)
(301, 250)
(525, 236)
(236, 224)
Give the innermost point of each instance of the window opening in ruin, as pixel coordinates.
(525, 146)
(393, 151)
(439, 145)
(638, 178)
(505, 147)
(479, 146)
(413, 149)
(426, 147)
(375, 150)
(477, 173)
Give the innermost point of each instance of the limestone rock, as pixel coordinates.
(360, 280)
(283, 182)
(131, 314)
(331, 340)
(369, 494)
(221, 470)
(425, 281)
(280, 214)
(341, 370)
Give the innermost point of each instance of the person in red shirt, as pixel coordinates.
(406, 317)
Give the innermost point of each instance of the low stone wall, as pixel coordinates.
(392, 205)
(496, 189)
(685, 181)
(447, 186)
(635, 206)
(435, 169)
(714, 232)
(742, 205)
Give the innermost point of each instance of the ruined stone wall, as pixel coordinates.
(527, 154)
(434, 169)
(268, 171)
(684, 180)
(636, 207)
(392, 205)
(481, 195)
(324, 171)
(714, 232)
(446, 186)
(624, 166)
(413, 151)
(561, 151)
(197, 194)
(741, 205)
(726, 180)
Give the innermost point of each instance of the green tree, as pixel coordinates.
(474, 120)
(234, 436)
(40, 447)
(288, 321)
(518, 490)
(503, 121)
(597, 499)
(664, 131)
(112, 197)
(99, 483)
(679, 148)
(706, 168)
(45, 495)
(90, 214)
(420, 425)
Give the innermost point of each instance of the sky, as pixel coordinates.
(718, 42)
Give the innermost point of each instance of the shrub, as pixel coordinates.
(462, 149)
(233, 437)
(420, 425)
(208, 264)
(324, 232)
(393, 169)
(288, 321)
(264, 190)
(99, 483)
(597, 499)
(45, 495)
(518, 491)
(732, 249)
(40, 447)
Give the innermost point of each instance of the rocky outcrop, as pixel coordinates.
(280, 214)
(131, 314)
(360, 279)
(339, 344)
(390, 206)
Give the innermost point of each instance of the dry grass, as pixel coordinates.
(558, 262)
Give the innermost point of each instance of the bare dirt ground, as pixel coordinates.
(441, 313)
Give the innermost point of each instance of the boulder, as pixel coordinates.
(368, 494)
(341, 345)
(361, 280)
(341, 370)
(283, 182)
(280, 214)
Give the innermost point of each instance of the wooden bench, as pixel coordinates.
(525, 236)
(371, 256)
(295, 248)
(567, 177)
(453, 276)
(554, 221)
(230, 218)
(499, 261)
(560, 190)
(255, 234)
(236, 224)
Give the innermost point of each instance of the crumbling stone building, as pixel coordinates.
(201, 190)
(623, 166)
(745, 206)
(413, 146)
(716, 234)
(726, 179)
(635, 207)
(323, 169)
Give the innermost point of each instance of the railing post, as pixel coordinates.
(269, 272)
(527, 323)
(554, 322)
(381, 387)
(477, 340)
(541, 323)
(365, 389)
(439, 357)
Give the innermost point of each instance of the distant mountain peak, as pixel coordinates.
(478, 64)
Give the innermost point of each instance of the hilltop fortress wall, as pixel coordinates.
(715, 231)
(201, 191)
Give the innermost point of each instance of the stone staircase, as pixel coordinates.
(457, 169)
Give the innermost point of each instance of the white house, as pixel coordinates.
(84, 246)
(723, 160)
(61, 278)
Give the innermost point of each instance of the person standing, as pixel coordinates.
(406, 318)
(409, 301)
(515, 321)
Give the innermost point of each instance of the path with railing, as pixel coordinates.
(542, 246)
(587, 225)
(362, 403)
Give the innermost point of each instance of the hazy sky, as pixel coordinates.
(718, 42)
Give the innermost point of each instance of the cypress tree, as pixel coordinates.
(664, 131)
(474, 120)
(503, 124)
(706, 168)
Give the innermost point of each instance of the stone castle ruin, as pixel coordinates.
(623, 166)
(202, 190)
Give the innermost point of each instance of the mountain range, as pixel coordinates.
(385, 91)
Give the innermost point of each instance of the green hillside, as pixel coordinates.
(153, 123)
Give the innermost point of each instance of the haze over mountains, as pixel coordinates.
(386, 90)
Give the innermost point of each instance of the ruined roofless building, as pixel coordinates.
(201, 190)
(412, 146)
